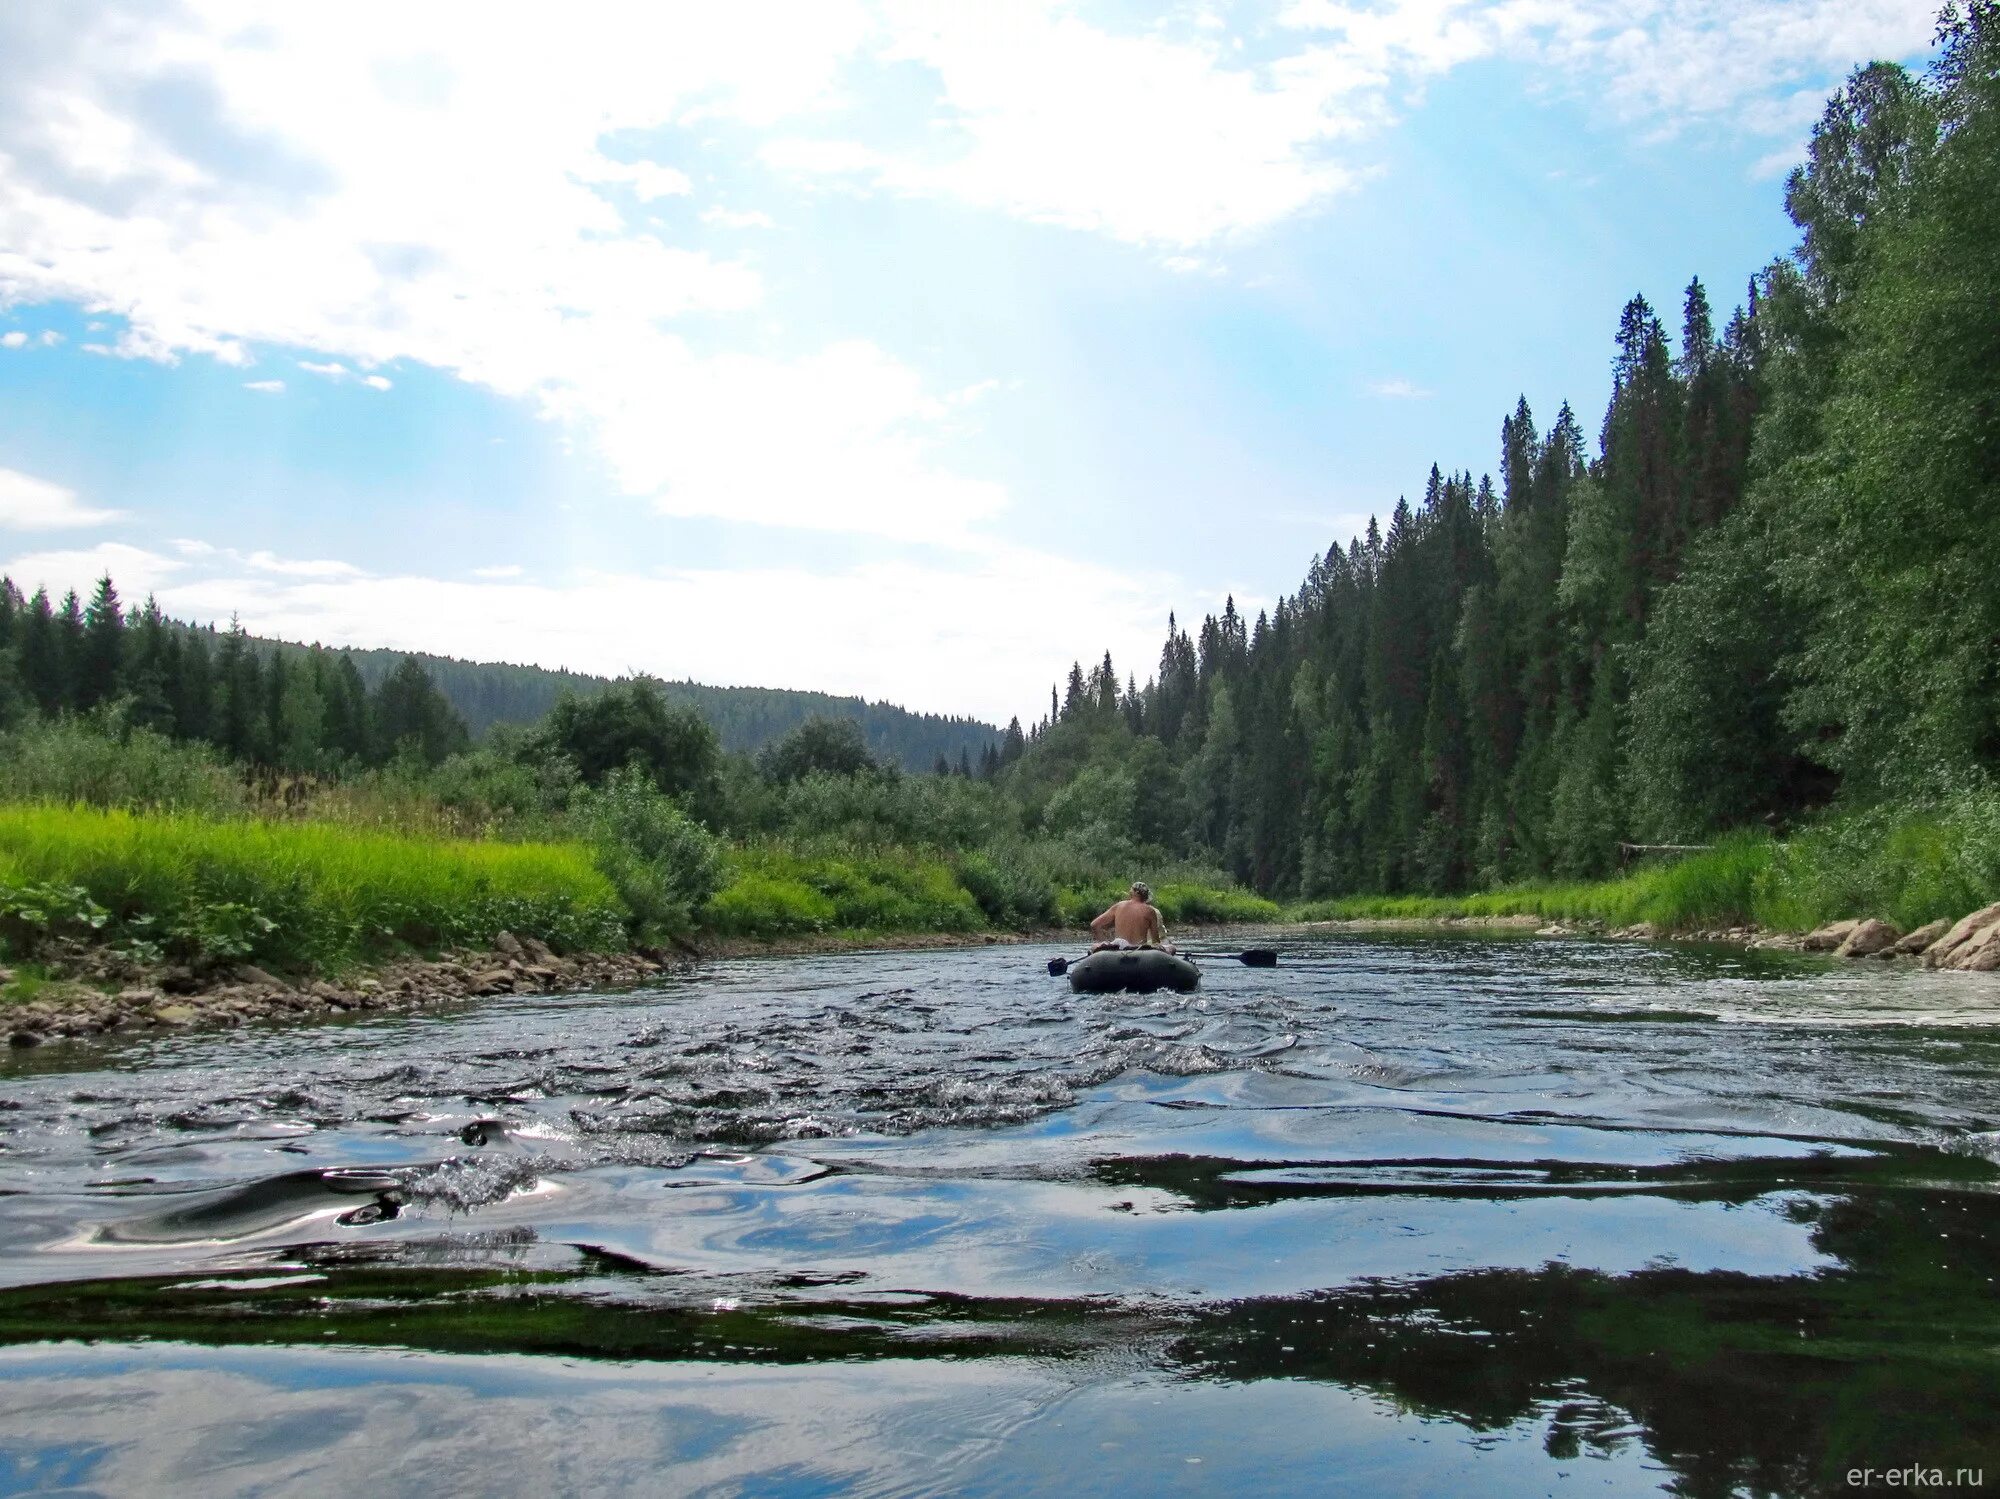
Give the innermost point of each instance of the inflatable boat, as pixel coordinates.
(1132, 970)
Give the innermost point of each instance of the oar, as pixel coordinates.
(1255, 957)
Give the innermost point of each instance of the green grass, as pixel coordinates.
(304, 895)
(773, 891)
(1909, 866)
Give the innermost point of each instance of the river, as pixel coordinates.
(1404, 1214)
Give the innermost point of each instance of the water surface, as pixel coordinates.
(1403, 1215)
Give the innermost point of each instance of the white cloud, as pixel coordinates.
(376, 382)
(734, 218)
(1758, 65)
(506, 570)
(15, 339)
(648, 180)
(1137, 136)
(332, 371)
(1398, 388)
(267, 562)
(31, 504)
(269, 387)
(136, 571)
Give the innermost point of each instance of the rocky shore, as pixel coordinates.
(81, 1003)
(1968, 945)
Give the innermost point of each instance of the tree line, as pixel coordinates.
(304, 710)
(1766, 591)
(292, 707)
(491, 693)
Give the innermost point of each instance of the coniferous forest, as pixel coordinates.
(307, 708)
(1764, 588)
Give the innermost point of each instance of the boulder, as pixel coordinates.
(539, 950)
(508, 945)
(250, 973)
(1829, 937)
(493, 981)
(1965, 931)
(173, 1015)
(25, 1038)
(1921, 938)
(1868, 938)
(1979, 953)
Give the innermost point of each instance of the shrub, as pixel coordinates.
(101, 763)
(1010, 894)
(663, 864)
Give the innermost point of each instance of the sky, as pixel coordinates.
(907, 350)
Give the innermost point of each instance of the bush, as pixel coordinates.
(886, 809)
(1010, 894)
(99, 762)
(775, 891)
(662, 863)
(761, 905)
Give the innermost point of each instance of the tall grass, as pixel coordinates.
(329, 894)
(1909, 865)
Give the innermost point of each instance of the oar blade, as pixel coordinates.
(1058, 967)
(1260, 957)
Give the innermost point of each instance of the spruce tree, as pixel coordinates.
(102, 651)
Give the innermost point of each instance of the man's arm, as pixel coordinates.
(1102, 924)
(1158, 935)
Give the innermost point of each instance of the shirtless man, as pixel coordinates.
(1133, 922)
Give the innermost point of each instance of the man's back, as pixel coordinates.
(1136, 921)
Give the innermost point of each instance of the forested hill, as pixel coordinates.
(486, 693)
(1770, 589)
(278, 703)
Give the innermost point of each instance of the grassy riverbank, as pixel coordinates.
(316, 897)
(310, 896)
(1909, 866)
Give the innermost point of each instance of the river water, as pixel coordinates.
(1413, 1215)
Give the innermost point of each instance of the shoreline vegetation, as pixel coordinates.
(117, 919)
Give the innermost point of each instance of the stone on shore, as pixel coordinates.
(1829, 937)
(1921, 938)
(1868, 938)
(1966, 942)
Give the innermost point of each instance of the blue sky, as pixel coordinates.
(909, 350)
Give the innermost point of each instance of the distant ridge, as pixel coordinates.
(746, 718)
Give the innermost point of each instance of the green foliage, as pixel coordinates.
(881, 809)
(662, 863)
(773, 891)
(303, 895)
(34, 914)
(1010, 893)
(819, 746)
(101, 762)
(1910, 865)
(633, 724)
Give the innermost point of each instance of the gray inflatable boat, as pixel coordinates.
(1133, 970)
